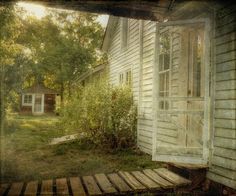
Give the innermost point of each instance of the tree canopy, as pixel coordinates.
(54, 50)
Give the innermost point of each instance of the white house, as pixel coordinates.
(183, 76)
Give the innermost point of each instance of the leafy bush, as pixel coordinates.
(105, 114)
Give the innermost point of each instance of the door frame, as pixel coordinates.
(42, 104)
(206, 128)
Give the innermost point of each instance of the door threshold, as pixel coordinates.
(188, 166)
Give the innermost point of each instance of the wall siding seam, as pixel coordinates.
(228, 51)
(223, 34)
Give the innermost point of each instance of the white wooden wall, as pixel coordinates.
(223, 160)
(145, 121)
(121, 60)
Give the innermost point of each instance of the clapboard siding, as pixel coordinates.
(223, 160)
(120, 61)
(145, 124)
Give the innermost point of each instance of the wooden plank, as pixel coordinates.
(131, 181)
(47, 187)
(91, 185)
(145, 180)
(31, 188)
(158, 179)
(172, 177)
(62, 187)
(16, 189)
(77, 187)
(3, 188)
(119, 183)
(105, 184)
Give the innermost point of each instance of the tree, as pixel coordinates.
(11, 56)
(63, 45)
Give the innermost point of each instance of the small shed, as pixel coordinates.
(38, 99)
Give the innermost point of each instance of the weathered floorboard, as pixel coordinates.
(119, 183)
(31, 188)
(158, 179)
(105, 184)
(100, 184)
(77, 187)
(16, 189)
(91, 185)
(3, 188)
(131, 181)
(47, 187)
(145, 180)
(62, 187)
(172, 177)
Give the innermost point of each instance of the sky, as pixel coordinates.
(40, 11)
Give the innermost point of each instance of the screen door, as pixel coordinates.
(38, 103)
(181, 93)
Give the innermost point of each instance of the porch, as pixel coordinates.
(156, 181)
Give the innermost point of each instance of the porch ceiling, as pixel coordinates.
(156, 10)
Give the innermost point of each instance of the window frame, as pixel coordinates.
(165, 73)
(24, 98)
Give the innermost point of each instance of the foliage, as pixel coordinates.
(27, 155)
(11, 56)
(62, 45)
(54, 50)
(105, 114)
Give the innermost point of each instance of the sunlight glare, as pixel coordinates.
(37, 10)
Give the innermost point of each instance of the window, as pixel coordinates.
(197, 68)
(121, 78)
(164, 70)
(125, 78)
(124, 32)
(27, 100)
(128, 78)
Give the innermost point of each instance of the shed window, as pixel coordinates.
(124, 33)
(164, 70)
(27, 99)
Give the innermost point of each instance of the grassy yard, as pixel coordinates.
(26, 153)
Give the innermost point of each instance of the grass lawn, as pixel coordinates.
(26, 154)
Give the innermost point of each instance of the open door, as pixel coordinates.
(181, 92)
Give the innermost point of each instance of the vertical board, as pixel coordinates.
(47, 187)
(62, 187)
(15, 189)
(91, 185)
(77, 187)
(31, 188)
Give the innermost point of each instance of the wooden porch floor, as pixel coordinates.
(121, 183)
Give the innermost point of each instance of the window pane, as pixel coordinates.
(161, 104)
(161, 82)
(167, 81)
(166, 61)
(161, 62)
(27, 98)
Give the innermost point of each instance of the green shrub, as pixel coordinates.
(105, 114)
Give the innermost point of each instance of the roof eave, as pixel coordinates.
(108, 33)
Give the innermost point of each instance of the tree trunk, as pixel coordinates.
(62, 94)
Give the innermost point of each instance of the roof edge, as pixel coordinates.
(108, 32)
